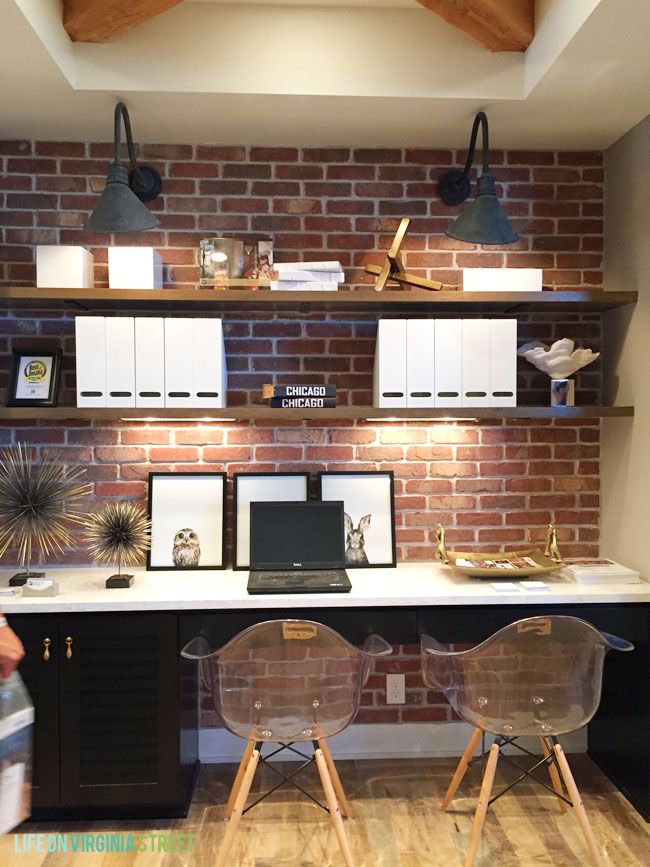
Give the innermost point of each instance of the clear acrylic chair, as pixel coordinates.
(538, 677)
(286, 682)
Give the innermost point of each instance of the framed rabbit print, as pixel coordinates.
(187, 512)
(369, 507)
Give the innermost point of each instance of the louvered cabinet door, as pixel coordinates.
(119, 709)
(40, 672)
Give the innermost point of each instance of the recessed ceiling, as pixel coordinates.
(346, 73)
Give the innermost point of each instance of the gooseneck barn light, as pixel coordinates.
(483, 221)
(120, 207)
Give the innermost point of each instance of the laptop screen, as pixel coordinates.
(305, 535)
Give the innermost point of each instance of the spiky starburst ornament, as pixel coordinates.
(38, 502)
(121, 534)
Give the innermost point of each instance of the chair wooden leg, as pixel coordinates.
(556, 782)
(578, 806)
(335, 813)
(238, 808)
(481, 808)
(241, 770)
(346, 810)
(462, 767)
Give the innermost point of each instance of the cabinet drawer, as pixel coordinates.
(396, 625)
(472, 623)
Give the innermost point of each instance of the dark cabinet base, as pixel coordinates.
(73, 717)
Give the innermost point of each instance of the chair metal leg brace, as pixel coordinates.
(548, 760)
(286, 778)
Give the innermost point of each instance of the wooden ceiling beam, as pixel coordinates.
(102, 20)
(500, 25)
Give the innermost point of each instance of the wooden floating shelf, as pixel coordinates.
(217, 300)
(341, 413)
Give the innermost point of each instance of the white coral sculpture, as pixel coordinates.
(559, 360)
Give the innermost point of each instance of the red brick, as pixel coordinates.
(120, 489)
(246, 170)
(298, 172)
(428, 156)
(191, 170)
(278, 453)
(378, 155)
(274, 155)
(120, 454)
(145, 436)
(15, 147)
(219, 153)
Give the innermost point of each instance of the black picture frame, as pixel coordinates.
(55, 377)
(388, 474)
(220, 480)
(235, 480)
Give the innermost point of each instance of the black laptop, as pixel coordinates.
(297, 548)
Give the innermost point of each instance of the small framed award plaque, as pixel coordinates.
(34, 379)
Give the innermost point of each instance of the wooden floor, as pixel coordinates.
(398, 823)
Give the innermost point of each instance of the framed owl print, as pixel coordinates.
(187, 512)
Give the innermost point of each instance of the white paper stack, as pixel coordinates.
(600, 571)
(308, 276)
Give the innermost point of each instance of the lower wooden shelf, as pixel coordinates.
(339, 413)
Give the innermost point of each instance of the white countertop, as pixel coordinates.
(410, 584)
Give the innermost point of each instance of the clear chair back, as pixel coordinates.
(538, 676)
(284, 680)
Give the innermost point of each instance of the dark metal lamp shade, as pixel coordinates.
(119, 209)
(483, 221)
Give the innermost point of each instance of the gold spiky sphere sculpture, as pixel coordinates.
(39, 499)
(120, 533)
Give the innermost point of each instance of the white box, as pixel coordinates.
(120, 361)
(149, 361)
(210, 375)
(502, 279)
(179, 363)
(134, 268)
(503, 362)
(90, 345)
(64, 268)
(389, 380)
(448, 355)
(420, 360)
(476, 362)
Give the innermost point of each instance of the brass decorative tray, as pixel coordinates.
(502, 564)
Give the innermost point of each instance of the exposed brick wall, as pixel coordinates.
(319, 203)
(490, 483)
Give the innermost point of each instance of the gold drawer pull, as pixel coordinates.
(68, 644)
(46, 648)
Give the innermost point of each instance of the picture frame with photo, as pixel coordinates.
(369, 506)
(188, 521)
(260, 487)
(34, 378)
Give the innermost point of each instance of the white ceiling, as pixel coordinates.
(310, 73)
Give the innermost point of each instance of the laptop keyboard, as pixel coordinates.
(320, 576)
(316, 581)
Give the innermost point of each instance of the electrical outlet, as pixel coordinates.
(395, 689)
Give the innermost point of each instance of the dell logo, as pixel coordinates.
(297, 564)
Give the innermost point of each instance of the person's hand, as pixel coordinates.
(11, 651)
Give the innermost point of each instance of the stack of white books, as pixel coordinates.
(308, 276)
(600, 571)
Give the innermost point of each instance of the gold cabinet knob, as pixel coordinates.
(46, 648)
(68, 645)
